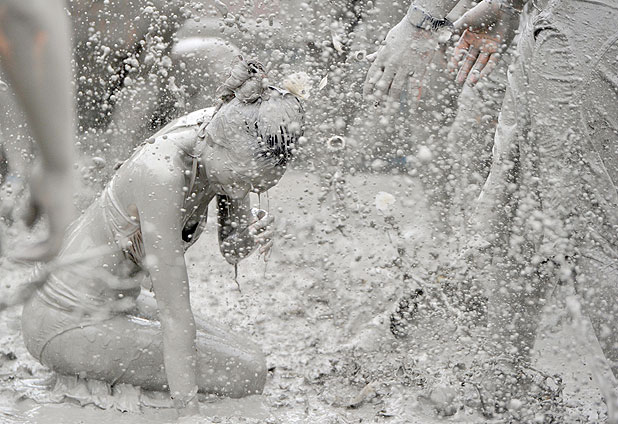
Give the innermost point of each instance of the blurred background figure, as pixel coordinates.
(130, 79)
(35, 56)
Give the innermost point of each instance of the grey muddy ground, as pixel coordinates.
(319, 311)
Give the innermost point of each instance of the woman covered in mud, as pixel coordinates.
(90, 320)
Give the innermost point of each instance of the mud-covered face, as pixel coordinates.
(236, 175)
(268, 179)
(237, 185)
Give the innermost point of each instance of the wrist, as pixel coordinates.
(438, 9)
(421, 19)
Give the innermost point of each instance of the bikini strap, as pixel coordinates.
(193, 173)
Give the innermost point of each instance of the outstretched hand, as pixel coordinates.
(489, 29)
(403, 58)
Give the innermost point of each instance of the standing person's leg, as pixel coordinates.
(509, 220)
(35, 53)
(486, 228)
(566, 196)
(17, 145)
(547, 190)
(597, 267)
(470, 140)
(575, 130)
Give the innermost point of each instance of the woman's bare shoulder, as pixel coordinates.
(155, 172)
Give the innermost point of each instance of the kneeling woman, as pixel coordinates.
(153, 209)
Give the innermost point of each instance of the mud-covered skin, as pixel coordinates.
(488, 30)
(152, 210)
(35, 56)
(35, 52)
(150, 185)
(404, 59)
(129, 79)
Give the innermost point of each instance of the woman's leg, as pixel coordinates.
(129, 349)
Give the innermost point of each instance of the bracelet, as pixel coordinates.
(421, 19)
(181, 402)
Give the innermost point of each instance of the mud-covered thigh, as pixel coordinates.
(122, 349)
(129, 349)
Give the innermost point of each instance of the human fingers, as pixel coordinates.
(264, 236)
(461, 49)
(373, 75)
(264, 241)
(467, 64)
(266, 249)
(480, 64)
(415, 89)
(494, 58)
(371, 57)
(264, 223)
(398, 83)
(261, 219)
(259, 213)
(383, 85)
(415, 86)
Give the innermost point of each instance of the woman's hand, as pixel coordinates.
(262, 231)
(488, 28)
(243, 229)
(404, 57)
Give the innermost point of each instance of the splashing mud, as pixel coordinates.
(322, 315)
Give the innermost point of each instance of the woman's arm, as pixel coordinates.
(160, 216)
(437, 9)
(240, 231)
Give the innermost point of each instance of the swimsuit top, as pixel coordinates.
(91, 294)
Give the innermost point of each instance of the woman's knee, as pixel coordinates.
(259, 371)
(252, 375)
(232, 372)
